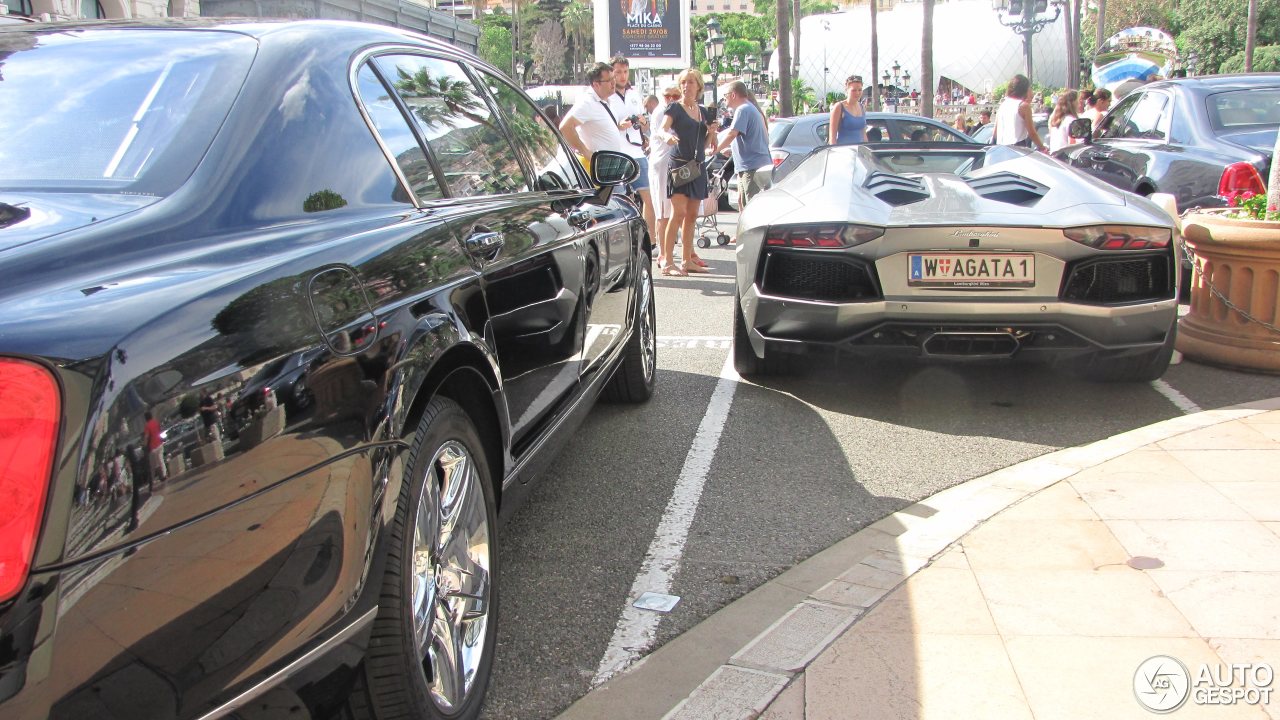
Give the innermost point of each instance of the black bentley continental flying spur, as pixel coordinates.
(291, 314)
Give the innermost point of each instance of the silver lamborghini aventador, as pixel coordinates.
(949, 251)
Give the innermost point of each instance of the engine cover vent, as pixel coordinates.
(1009, 188)
(895, 189)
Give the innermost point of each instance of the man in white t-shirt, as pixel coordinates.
(590, 126)
(628, 108)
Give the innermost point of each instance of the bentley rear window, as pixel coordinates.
(1233, 110)
(113, 111)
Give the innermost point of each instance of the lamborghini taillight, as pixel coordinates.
(828, 236)
(1120, 237)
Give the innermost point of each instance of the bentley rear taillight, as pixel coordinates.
(1120, 237)
(1238, 178)
(829, 236)
(778, 156)
(30, 407)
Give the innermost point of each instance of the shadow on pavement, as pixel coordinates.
(779, 490)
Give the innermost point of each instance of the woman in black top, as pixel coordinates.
(692, 134)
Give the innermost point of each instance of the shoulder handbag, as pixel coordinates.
(682, 174)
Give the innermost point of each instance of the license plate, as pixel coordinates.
(972, 269)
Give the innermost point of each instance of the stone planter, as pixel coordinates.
(1241, 259)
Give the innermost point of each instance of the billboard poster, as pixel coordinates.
(649, 33)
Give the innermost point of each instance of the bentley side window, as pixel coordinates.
(1145, 120)
(552, 167)
(461, 131)
(394, 130)
(1113, 125)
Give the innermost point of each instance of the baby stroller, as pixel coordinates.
(705, 226)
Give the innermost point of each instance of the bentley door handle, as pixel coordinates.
(579, 219)
(484, 245)
(1099, 156)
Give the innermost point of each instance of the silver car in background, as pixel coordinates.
(954, 251)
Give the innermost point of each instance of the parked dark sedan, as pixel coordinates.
(792, 139)
(1198, 139)
(183, 205)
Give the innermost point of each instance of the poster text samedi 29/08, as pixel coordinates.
(645, 29)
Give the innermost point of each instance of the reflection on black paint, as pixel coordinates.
(323, 200)
(179, 667)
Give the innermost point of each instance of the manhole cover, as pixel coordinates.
(1145, 563)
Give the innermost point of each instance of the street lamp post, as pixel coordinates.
(906, 80)
(1024, 17)
(893, 89)
(826, 33)
(715, 50)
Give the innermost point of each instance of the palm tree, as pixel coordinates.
(875, 59)
(1251, 36)
(795, 23)
(784, 58)
(578, 20)
(926, 59)
(440, 100)
(1101, 35)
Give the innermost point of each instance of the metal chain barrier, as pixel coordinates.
(1215, 292)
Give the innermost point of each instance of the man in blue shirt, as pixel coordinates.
(749, 143)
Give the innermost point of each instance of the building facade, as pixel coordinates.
(704, 7)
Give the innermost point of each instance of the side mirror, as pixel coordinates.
(1081, 129)
(609, 168)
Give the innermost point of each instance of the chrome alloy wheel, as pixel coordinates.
(451, 582)
(648, 341)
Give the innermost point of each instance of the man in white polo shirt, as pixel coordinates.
(628, 108)
(590, 125)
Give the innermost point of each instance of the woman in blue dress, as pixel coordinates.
(848, 122)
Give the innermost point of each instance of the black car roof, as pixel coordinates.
(1220, 83)
(254, 27)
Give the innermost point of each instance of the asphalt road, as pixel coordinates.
(800, 464)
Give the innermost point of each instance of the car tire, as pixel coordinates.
(439, 592)
(745, 360)
(302, 396)
(635, 376)
(1145, 367)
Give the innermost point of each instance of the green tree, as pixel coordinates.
(802, 95)
(579, 22)
(1216, 30)
(548, 51)
(1266, 58)
(495, 46)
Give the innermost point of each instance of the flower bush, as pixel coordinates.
(1252, 206)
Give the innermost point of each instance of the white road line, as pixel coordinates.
(637, 629)
(1182, 402)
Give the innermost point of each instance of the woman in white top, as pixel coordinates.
(1098, 106)
(660, 152)
(1014, 125)
(1060, 121)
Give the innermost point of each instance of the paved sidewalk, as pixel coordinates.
(1037, 591)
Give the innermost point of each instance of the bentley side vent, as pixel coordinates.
(1008, 187)
(895, 189)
